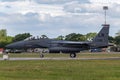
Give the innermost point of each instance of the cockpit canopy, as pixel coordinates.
(34, 38)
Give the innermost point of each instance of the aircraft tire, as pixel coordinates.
(41, 55)
(72, 55)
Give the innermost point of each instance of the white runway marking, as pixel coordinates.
(108, 58)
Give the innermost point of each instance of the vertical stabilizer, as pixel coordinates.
(101, 40)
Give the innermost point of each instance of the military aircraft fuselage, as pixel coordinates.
(54, 46)
(57, 46)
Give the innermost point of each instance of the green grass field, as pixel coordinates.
(61, 69)
(80, 55)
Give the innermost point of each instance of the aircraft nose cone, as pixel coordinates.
(9, 46)
(14, 45)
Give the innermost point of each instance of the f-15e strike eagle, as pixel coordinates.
(58, 46)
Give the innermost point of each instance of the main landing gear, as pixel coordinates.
(72, 55)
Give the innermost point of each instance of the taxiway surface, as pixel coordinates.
(62, 58)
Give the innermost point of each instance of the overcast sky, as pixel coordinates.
(58, 17)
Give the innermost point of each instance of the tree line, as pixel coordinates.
(4, 39)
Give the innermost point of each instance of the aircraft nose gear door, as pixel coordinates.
(72, 55)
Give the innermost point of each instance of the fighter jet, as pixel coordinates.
(62, 46)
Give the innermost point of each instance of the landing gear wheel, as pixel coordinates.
(72, 55)
(41, 55)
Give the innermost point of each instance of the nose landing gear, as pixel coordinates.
(41, 55)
